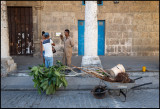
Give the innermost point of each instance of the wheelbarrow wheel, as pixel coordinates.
(99, 92)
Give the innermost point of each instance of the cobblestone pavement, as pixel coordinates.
(79, 99)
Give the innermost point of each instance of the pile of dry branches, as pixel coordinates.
(107, 75)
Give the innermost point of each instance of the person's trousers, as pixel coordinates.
(67, 60)
(48, 62)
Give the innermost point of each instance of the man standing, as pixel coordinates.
(68, 44)
(47, 45)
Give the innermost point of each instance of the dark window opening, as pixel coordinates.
(99, 2)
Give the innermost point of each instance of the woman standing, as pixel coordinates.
(41, 47)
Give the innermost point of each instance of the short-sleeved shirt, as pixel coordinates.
(48, 47)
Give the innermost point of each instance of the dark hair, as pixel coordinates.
(43, 33)
(67, 30)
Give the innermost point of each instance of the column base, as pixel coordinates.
(91, 61)
(7, 66)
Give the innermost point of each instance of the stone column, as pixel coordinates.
(90, 57)
(38, 37)
(7, 63)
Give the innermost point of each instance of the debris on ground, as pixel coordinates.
(116, 74)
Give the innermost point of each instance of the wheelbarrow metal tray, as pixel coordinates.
(117, 85)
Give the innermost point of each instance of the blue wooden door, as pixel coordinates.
(101, 37)
(81, 26)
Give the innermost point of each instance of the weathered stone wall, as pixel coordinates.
(4, 31)
(7, 63)
(131, 27)
(58, 16)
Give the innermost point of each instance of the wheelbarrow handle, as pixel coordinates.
(138, 78)
(141, 85)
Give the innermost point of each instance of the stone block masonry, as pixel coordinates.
(7, 63)
(129, 25)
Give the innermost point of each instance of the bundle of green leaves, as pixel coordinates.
(48, 79)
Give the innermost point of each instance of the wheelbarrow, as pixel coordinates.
(99, 91)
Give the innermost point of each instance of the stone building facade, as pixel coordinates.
(7, 63)
(131, 27)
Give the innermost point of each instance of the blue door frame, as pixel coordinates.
(101, 37)
(81, 26)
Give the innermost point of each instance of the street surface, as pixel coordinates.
(79, 99)
(17, 90)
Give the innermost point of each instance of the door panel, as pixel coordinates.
(81, 26)
(101, 37)
(20, 30)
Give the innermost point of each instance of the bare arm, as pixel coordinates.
(41, 47)
(61, 36)
(52, 43)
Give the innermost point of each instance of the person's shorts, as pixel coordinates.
(43, 53)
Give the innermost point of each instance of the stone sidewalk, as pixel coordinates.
(131, 63)
(20, 80)
(17, 89)
(79, 99)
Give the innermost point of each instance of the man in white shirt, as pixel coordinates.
(47, 44)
